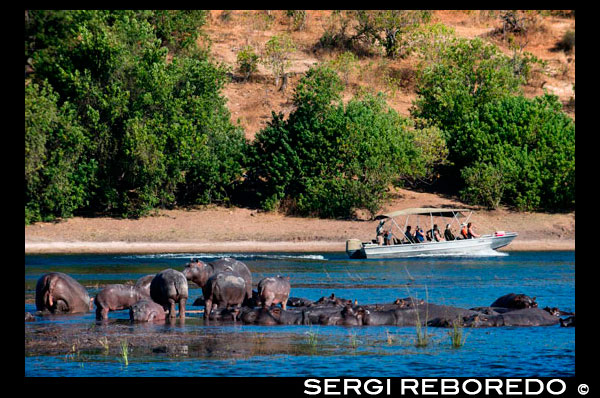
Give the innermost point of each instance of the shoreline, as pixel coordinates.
(124, 247)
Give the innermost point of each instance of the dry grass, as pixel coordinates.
(251, 102)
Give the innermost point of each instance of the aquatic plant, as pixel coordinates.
(312, 338)
(354, 341)
(104, 343)
(124, 352)
(260, 338)
(456, 335)
(389, 337)
(422, 339)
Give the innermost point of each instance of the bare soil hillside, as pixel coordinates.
(251, 102)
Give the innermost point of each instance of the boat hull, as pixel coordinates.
(456, 247)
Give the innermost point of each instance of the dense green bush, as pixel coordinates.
(329, 159)
(247, 61)
(152, 130)
(504, 148)
(57, 176)
(523, 153)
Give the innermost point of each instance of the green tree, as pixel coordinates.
(277, 55)
(329, 159)
(504, 148)
(156, 131)
(247, 61)
(57, 172)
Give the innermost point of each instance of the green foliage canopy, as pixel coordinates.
(504, 148)
(147, 127)
(329, 159)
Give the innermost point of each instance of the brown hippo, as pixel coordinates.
(521, 317)
(516, 301)
(169, 287)
(117, 297)
(331, 301)
(143, 284)
(298, 302)
(200, 272)
(274, 290)
(146, 310)
(59, 293)
(224, 289)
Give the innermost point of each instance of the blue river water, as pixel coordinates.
(316, 350)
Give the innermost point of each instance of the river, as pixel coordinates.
(77, 345)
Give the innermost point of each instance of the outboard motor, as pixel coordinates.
(354, 248)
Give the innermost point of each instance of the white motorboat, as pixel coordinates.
(402, 246)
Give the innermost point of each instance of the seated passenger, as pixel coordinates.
(408, 235)
(429, 234)
(419, 236)
(471, 231)
(463, 231)
(448, 233)
(389, 238)
(437, 236)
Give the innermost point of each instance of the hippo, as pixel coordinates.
(274, 290)
(520, 317)
(59, 293)
(117, 297)
(200, 272)
(169, 287)
(331, 301)
(146, 310)
(143, 284)
(266, 316)
(298, 302)
(516, 301)
(396, 317)
(227, 288)
(288, 317)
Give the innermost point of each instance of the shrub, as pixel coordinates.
(142, 132)
(504, 147)
(567, 42)
(297, 19)
(329, 158)
(247, 61)
(523, 154)
(277, 53)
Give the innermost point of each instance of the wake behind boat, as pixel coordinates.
(393, 242)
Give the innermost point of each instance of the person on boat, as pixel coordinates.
(408, 235)
(471, 231)
(464, 231)
(379, 233)
(389, 238)
(437, 236)
(448, 233)
(419, 236)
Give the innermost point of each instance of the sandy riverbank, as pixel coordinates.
(238, 247)
(219, 229)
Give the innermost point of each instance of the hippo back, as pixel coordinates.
(63, 288)
(516, 301)
(143, 284)
(225, 287)
(236, 266)
(168, 284)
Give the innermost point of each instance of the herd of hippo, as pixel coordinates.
(227, 295)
